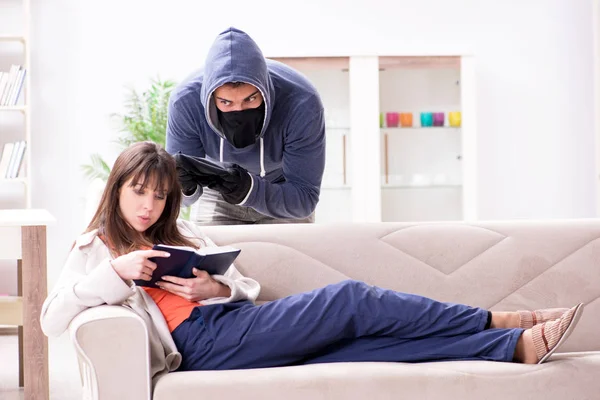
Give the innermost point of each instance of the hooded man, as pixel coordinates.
(261, 118)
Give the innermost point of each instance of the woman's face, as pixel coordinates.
(141, 207)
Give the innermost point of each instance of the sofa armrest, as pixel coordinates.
(112, 348)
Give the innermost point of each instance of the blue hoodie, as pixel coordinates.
(287, 162)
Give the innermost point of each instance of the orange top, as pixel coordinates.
(175, 309)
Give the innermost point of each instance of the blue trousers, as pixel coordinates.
(347, 321)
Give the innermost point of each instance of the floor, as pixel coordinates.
(63, 371)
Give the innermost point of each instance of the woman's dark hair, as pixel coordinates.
(145, 162)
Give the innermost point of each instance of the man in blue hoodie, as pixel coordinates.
(259, 115)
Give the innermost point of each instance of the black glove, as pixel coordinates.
(234, 186)
(188, 182)
(194, 171)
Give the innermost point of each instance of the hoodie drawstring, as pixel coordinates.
(221, 151)
(262, 156)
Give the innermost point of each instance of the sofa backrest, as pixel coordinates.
(504, 265)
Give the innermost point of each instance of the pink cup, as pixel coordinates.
(392, 119)
(438, 119)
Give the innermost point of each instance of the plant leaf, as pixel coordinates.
(144, 119)
(97, 169)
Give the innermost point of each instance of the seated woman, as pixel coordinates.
(212, 323)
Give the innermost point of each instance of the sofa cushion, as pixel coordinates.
(366, 381)
(504, 265)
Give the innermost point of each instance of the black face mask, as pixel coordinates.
(242, 128)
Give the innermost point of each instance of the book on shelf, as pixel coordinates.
(12, 159)
(215, 260)
(11, 85)
(5, 158)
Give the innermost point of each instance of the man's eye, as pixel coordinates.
(225, 102)
(250, 99)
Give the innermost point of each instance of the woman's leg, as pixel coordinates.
(288, 330)
(529, 346)
(490, 345)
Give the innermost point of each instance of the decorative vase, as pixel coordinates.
(391, 119)
(454, 118)
(426, 119)
(406, 120)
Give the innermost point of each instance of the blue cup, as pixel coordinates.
(426, 119)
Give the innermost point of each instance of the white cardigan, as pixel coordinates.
(88, 280)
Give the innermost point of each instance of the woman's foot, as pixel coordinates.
(549, 336)
(528, 319)
(525, 350)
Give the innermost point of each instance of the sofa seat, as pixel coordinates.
(432, 380)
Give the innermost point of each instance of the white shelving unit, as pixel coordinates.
(395, 173)
(15, 121)
(15, 126)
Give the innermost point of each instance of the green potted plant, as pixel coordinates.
(144, 119)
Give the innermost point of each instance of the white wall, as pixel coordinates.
(534, 65)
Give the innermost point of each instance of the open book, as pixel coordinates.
(215, 260)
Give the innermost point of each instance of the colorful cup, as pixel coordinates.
(391, 119)
(438, 119)
(406, 120)
(426, 119)
(381, 120)
(454, 118)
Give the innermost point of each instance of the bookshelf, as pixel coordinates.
(15, 115)
(15, 127)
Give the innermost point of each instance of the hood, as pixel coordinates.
(235, 57)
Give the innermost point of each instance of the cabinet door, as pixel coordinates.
(421, 152)
(331, 78)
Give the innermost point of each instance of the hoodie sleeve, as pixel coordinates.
(183, 135)
(187, 201)
(182, 131)
(303, 165)
(77, 290)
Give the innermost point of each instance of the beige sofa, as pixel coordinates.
(499, 265)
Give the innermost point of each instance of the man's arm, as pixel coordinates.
(303, 166)
(183, 129)
(183, 135)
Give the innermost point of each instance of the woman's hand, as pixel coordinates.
(135, 265)
(201, 287)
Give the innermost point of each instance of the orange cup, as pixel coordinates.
(406, 119)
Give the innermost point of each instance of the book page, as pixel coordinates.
(216, 250)
(188, 248)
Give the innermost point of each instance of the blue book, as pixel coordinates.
(215, 260)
